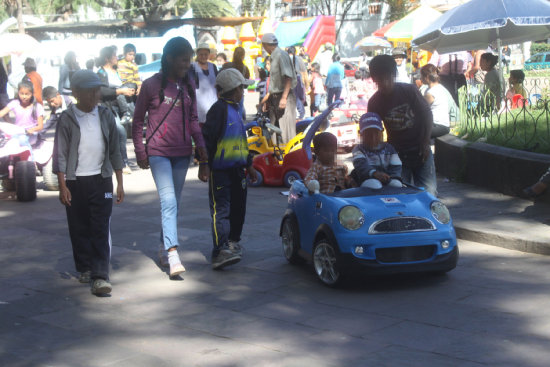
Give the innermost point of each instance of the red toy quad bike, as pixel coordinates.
(19, 161)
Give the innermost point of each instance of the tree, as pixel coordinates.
(339, 8)
(148, 10)
(399, 8)
(254, 7)
(212, 8)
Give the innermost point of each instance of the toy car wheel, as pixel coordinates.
(259, 181)
(326, 263)
(50, 179)
(25, 180)
(290, 177)
(290, 241)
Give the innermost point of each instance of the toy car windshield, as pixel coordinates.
(365, 191)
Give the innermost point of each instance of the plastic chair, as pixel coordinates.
(518, 101)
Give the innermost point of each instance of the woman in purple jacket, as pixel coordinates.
(168, 148)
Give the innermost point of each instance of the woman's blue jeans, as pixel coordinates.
(169, 175)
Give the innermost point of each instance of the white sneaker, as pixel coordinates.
(176, 269)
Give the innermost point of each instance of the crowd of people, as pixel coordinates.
(194, 110)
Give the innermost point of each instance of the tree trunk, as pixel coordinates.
(20, 25)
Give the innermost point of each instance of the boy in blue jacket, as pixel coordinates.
(376, 163)
(228, 156)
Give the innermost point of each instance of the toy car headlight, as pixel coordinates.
(440, 212)
(351, 217)
(256, 130)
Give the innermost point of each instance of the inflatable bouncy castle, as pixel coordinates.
(308, 32)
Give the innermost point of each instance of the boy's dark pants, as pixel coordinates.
(227, 194)
(89, 218)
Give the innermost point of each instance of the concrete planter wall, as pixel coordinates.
(504, 170)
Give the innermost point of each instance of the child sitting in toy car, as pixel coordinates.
(375, 163)
(325, 175)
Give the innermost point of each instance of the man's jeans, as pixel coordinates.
(301, 108)
(422, 176)
(333, 94)
(169, 175)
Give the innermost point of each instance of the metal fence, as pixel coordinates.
(516, 121)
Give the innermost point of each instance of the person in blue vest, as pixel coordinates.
(228, 157)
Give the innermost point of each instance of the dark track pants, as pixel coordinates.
(227, 194)
(89, 219)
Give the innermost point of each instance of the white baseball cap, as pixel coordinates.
(203, 46)
(270, 38)
(230, 78)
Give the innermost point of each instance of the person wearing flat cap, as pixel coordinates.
(204, 73)
(282, 101)
(228, 161)
(86, 153)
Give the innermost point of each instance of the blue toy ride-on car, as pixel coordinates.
(390, 230)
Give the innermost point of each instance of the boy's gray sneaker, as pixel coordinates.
(225, 258)
(100, 287)
(84, 277)
(235, 247)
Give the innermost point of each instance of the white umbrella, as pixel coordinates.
(371, 43)
(478, 23)
(17, 44)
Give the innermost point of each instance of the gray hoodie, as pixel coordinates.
(67, 139)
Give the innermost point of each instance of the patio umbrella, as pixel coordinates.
(371, 43)
(478, 23)
(17, 44)
(408, 27)
(381, 31)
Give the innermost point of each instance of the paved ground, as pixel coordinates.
(491, 310)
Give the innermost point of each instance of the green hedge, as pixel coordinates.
(539, 47)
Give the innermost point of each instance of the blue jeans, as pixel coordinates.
(301, 108)
(422, 176)
(333, 94)
(317, 102)
(169, 175)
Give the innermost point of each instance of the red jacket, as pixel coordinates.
(36, 81)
